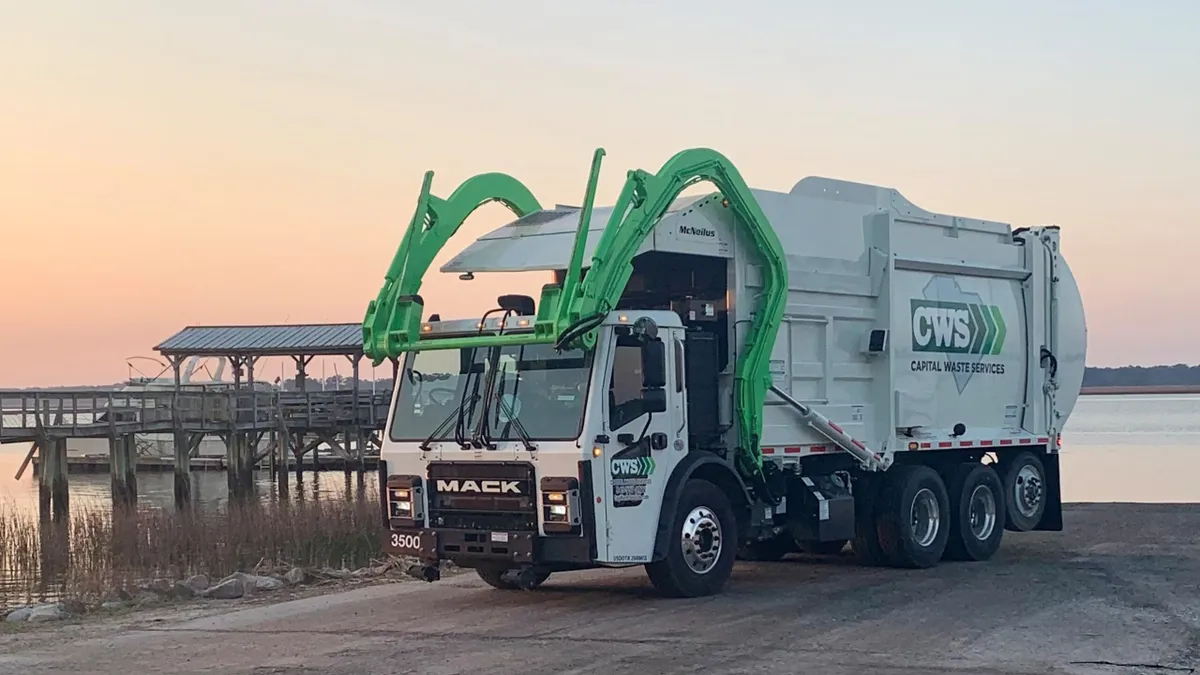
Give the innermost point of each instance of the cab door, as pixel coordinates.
(645, 441)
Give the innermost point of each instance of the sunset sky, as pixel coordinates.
(242, 161)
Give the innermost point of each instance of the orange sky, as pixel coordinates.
(256, 165)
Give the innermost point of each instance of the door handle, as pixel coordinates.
(658, 440)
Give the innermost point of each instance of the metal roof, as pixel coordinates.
(288, 340)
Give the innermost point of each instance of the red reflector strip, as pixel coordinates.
(1043, 440)
(856, 442)
(768, 451)
(792, 450)
(945, 444)
(817, 448)
(836, 428)
(1026, 441)
(926, 446)
(965, 444)
(986, 442)
(1005, 441)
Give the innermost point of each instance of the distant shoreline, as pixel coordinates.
(1142, 389)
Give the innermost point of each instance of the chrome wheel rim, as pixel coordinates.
(925, 517)
(981, 512)
(701, 540)
(1028, 490)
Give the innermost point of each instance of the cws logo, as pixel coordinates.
(639, 467)
(631, 469)
(961, 326)
(957, 327)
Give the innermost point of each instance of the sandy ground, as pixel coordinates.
(1117, 592)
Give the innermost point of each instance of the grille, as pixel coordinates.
(483, 496)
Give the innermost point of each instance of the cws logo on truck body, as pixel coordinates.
(959, 325)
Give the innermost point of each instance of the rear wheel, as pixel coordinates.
(1024, 492)
(976, 512)
(866, 533)
(497, 576)
(702, 546)
(913, 517)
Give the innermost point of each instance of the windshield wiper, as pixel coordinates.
(516, 423)
(453, 416)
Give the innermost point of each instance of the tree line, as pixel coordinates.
(1142, 376)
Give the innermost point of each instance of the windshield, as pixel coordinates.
(543, 390)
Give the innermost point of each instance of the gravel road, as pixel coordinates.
(1117, 592)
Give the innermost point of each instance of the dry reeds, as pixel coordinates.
(95, 553)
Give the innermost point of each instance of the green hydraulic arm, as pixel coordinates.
(569, 316)
(643, 201)
(393, 319)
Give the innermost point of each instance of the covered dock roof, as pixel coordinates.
(297, 340)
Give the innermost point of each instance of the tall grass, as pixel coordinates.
(97, 552)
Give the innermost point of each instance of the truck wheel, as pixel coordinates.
(976, 506)
(866, 534)
(912, 523)
(767, 550)
(823, 547)
(1024, 492)
(702, 546)
(494, 576)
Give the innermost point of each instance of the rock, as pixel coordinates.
(42, 613)
(197, 582)
(184, 591)
(229, 589)
(115, 605)
(295, 576)
(19, 615)
(267, 584)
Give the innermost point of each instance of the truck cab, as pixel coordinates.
(521, 460)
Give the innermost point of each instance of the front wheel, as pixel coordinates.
(702, 547)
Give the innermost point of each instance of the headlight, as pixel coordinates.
(560, 505)
(404, 498)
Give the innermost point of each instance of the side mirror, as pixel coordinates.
(654, 364)
(654, 400)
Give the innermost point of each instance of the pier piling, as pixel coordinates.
(53, 497)
(123, 467)
(183, 468)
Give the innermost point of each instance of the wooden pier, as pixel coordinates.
(257, 425)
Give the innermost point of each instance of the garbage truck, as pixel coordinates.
(736, 374)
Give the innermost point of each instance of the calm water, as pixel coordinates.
(1114, 449)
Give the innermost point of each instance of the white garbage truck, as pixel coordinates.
(740, 374)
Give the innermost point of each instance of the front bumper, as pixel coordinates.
(467, 548)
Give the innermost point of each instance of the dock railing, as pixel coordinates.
(26, 415)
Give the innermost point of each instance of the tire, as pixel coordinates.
(768, 550)
(912, 517)
(866, 533)
(823, 547)
(493, 575)
(1024, 492)
(703, 520)
(976, 512)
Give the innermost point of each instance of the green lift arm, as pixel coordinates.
(393, 319)
(569, 315)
